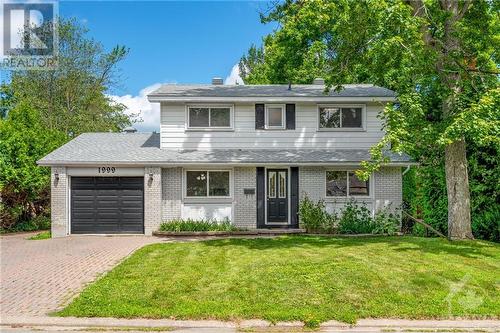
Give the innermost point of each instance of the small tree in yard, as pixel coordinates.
(439, 56)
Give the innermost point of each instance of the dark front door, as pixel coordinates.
(277, 196)
(107, 205)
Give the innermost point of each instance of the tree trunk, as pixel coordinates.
(457, 184)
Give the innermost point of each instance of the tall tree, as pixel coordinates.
(41, 110)
(72, 98)
(439, 56)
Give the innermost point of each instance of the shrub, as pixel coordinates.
(355, 219)
(197, 225)
(313, 215)
(39, 222)
(387, 221)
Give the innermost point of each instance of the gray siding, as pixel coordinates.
(245, 136)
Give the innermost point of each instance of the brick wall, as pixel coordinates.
(387, 183)
(388, 187)
(171, 196)
(152, 199)
(245, 206)
(59, 202)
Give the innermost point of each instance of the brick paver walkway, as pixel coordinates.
(37, 277)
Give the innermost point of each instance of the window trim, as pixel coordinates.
(283, 117)
(371, 188)
(207, 197)
(341, 129)
(210, 128)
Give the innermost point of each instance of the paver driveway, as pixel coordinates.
(38, 276)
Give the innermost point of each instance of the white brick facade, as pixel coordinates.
(386, 187)
(171, 196)
(152, 199)
(245, 205)
(59, 201)
(163, 199)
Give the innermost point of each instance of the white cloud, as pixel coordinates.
(139, 106)
(234, 76)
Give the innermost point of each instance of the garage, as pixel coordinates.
(107, 205)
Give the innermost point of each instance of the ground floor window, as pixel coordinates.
(206, 183)
(345, 183)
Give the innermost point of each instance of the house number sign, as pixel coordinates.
(106, 169)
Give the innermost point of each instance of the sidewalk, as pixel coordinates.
(364, 325)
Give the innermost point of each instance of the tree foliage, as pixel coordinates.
(23, 140)
(41, 110)
(439, 56)
(72, 98)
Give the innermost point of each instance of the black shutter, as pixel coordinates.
(259, 116)
(261, 193)
(294, 197)
(290, 116)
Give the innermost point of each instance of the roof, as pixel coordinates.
(174, 92)
(144, 149)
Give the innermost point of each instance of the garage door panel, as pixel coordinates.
(107, 205)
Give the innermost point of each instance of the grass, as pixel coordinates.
(312, 279)
(197, 225)
(41, 235)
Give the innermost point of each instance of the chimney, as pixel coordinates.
(319, 81)
(129, 129)
(217, 81)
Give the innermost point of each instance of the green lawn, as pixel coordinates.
(306, 278)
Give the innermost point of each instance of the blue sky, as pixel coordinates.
(182, 42)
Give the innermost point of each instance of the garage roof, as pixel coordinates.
(144, 149)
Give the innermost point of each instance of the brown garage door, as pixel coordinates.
(107, 205)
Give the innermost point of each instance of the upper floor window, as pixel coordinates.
(215, 117)
(275, 116)
(334, 117)
(345, 184)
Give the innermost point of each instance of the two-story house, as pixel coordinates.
(248, 153)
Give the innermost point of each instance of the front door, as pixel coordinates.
(277, 196)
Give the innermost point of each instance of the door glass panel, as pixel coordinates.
(282, 184)
(271, 186)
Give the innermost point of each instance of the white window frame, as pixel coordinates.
(342, 129)
(211, 128)
(207, 197)
(371, 189)
(283, 117)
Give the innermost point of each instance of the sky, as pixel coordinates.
(170, 42)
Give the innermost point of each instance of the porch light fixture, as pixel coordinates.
(56, 176)
(151, 177)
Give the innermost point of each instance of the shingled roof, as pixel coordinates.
(300, 91)
(144, 149)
